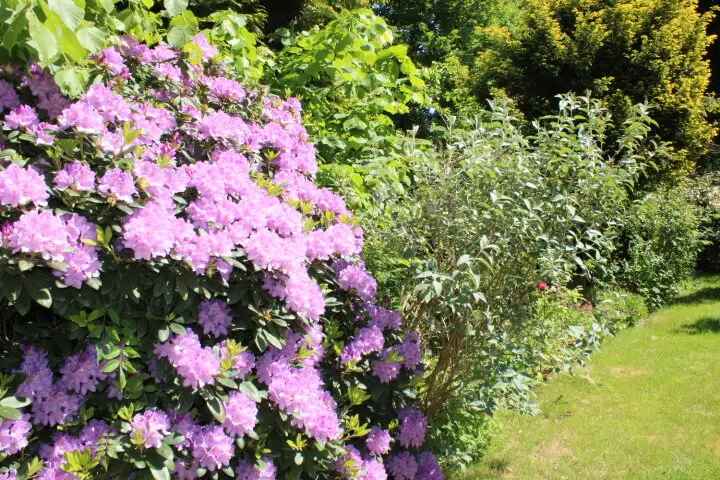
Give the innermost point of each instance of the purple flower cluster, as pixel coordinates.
(378, 441)
(8, 96)
(243, 363)
(54, 403)
(356, 278)
(212, 448)
(373, 469)
(368, 340)
(118, 185)
(402, 466)
(221, 88)
(82, 372)
(59, 240)
(54, 455)
(43, 87)
(413, 426)
(197, 365)
(149, 428)
(77, 176)
(429, 468)
(265, 471)
(14, 435)
(240, 414)
(353, 466)
(111, 59)
(21, 186)
(407, 354)
(215, 318)
(299, 392)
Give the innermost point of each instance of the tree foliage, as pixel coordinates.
(626, 51)
(353, 80)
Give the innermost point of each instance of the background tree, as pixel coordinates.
(626, 51)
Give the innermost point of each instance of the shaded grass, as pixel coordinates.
(646, 407)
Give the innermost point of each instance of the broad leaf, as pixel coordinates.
(70, 13)
(41, 39)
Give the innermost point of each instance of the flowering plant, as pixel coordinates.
(178, 298)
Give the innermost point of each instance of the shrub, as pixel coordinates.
(662, 241)
(178, 298)
(626, 51)
(619, 309)
(354, 81)
(461, 434)
(705, 193)
(561, 332)
(491, 216)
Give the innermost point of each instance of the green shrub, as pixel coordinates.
(353, 80)
(662, 240)
(560, 332)
(486, 219)
(705, 191)
(625, 51)
(619, 309)
(462, 434)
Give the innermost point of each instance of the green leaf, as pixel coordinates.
(112, 365)
(13, 402)
(25, 265)
(175, 7)
(33, 467)
(107, 5)
(184, 27)
(215, 406)
(17, 25)
(72, 80)
(160, 473)
(66, 38)
(41, 39)
(92, 38)
(70, 13)
(42, 296)
(10, 413)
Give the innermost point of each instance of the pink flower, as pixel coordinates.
(378, 441)
(77, 176)
(212, 448)
(118, 184)
(22, 117)
(215, 318)
(208, 50)
(20, 186)
(240, 414)
(196, 365)
(8, 96)
(149, 428)
(113, 61)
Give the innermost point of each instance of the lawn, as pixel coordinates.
(647, 406)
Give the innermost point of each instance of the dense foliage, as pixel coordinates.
(353, 80)
(179, 299)
(161, 201)
(663, 241)
(627, 52)
(500, 231)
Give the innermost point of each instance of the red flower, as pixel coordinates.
(542, 286)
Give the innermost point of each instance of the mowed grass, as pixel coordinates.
(647, 406)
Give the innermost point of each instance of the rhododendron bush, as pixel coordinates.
(179, 298)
